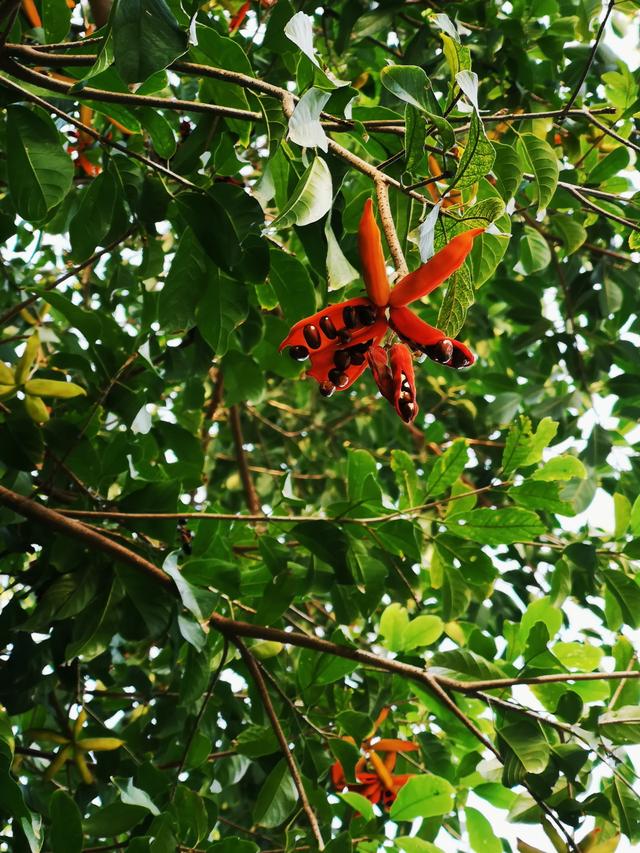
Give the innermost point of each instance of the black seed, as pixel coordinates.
(327, 388)
(342, 358)
(366, 315)
(350, 316)
(344, 336)
(406, 410)
(326, 324)
(440, 352)
(459, 359)
(357, 357)
(334, 375)
(312, 336)
(299, 353)
(343, 381)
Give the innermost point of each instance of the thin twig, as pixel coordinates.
(609, 132)
(585, 70)
(254, 669)
(251, 496)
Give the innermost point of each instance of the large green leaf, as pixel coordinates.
(423, 796)
(146, 38)
(540, 157)
(39, 169)
(496, 527)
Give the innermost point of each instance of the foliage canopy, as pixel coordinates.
(219, 588)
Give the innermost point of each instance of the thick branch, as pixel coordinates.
(76, 530)
(384, 209)
(256, 674)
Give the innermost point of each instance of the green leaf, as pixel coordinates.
(523, 446)
(185, 283)
(628, 808)
(416, 845)
(621, 725)
(540, 495)
(481, 834)
(528, 743)
(92, 222)
(563, 467)
(243, 378)
(627, 594)
(146, 38)
(423, 796)
(294, 289)
(394, 623)
(571, 232)
(459, 297)
(580, 656)
(540, 610)
(495, 527)
(53, 388)
(622, 508)
(634, 518)
(276, 799)
(407, 82)
(477, 157)
(541, 159)
(66, 823)
(256, 741)
(447, 468)
(311, 198)
(535, 254)
(39, 171)
(465, 665)
(222, 308)
(221, 243)
(508, 170)
(359, 804)
(339, 271)
(56, 18)
(614, 162)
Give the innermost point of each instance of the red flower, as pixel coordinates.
(342, 339)
(379, 784)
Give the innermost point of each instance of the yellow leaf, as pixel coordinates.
(81, 764)
(36, 409)
(7, 391)
(53, 388)
(79, 723)
(266, 649)
(7, 376)
(99, 744)
(29, 356)
(57, 763)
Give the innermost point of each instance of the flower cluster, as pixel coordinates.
(343, 339)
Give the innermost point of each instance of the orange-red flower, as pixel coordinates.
(341, 340)
(375, 777)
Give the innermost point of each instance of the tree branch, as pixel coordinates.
(609, 132)
(69, 527)
(388, 225)
(251, 496)
(585, 71)
(254, 669)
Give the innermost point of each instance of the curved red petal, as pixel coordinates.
(427, 339)
(377, 358)
(430, 275)
(404, 383)
(374, 270)
(342, 352)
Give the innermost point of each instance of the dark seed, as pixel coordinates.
(312, 336)
(350, 316)
(326, 324)
(299, 353)
(406, 410)
(339, 379)
(405, 386)
(459, 359)
(327, 388)
(366, 315)
(357, 358)
(344, 336)
(342, 358)
(440, 352)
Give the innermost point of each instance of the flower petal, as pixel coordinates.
(378, 362)
(394, 745)
(427, 339)
(404, 383)
(374, 270)
(430, 275)
(336, 340)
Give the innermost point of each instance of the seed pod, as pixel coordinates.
(299, 353)
(342, 359)
(357, 357)
(326, 324)
(460, 358)
(440, 352)
(312, 336)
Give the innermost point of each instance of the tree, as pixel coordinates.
(236, 615)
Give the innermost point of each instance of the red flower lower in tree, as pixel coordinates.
(341, 340)
(375, 777)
